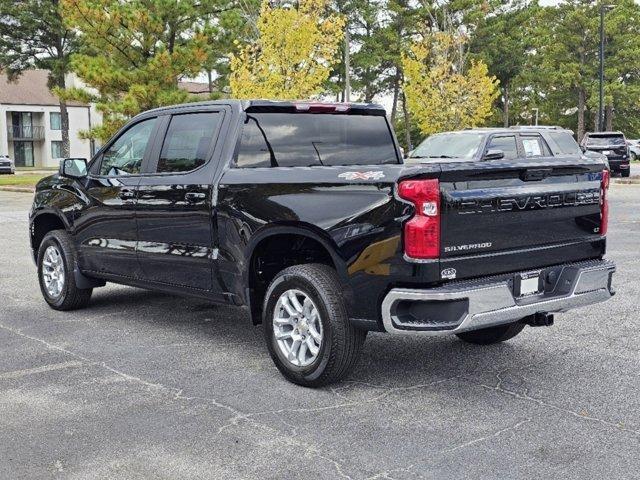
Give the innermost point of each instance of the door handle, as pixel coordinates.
(194, 196)
(127, 194)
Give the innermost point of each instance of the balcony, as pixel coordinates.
(25, 132)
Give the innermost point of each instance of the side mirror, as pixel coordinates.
(493, 154)
(73, 167)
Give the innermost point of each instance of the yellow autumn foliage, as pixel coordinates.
(442, 94)
(293, 55)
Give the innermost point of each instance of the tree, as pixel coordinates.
(33, 35)
(293, 55)
(443, 92)
(561, 74)
(134, 53)
(502, 42)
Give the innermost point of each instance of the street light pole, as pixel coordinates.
(600, 100)
(347, 66)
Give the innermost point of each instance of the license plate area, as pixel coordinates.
(528, 283)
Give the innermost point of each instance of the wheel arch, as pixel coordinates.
(42, 223)
(269, 239)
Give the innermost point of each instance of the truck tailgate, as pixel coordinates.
(500, 216)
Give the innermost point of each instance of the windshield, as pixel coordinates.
(449, 145)
(604, 140)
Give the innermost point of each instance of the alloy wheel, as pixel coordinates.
(297, 328)
(53, 272)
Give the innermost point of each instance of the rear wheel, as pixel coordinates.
(633, 156)
(306, 327)
(487, 336)
(56, 261)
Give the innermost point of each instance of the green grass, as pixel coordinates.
(28, 169)
(20, 180)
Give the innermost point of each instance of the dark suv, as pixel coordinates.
(495, 143)
(611, 144)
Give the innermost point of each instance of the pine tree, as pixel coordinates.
(134, 53)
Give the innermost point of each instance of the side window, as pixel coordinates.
(124, 156)
(254, 149)
(507, 144)
(533, 146)
(187, 141)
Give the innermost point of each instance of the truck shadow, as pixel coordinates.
(385, 359)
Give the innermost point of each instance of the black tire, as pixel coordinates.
(625, 173)
(633, 157)
(341, 341)
(71, 297)
(488, 336)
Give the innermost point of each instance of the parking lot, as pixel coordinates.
(144, 385)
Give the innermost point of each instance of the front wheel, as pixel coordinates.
(56, 261)
(306, 326)
(488, 336)
(625, 173)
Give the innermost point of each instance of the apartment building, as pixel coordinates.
(30, 124)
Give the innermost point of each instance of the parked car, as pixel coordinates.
(611, 144)
(634, 149)
(495, 143)
(305, 214)
(7, 165)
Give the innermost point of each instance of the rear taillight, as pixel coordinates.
(604, 202)
(422, 231)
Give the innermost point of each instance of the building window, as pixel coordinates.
(55, 120)
(56, 149)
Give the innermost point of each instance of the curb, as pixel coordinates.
(17, 189)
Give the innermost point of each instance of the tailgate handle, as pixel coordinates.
(533, 175)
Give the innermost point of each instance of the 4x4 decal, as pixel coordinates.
(370, 175)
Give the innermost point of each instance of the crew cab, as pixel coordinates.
(306, 215)
(614, 146)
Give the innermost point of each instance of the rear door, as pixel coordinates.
(176, 201)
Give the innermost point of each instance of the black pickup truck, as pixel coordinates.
(306, 214)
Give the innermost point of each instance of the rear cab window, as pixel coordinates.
(565, 144)
(273, 139)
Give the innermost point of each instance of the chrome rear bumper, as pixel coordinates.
(472, 305)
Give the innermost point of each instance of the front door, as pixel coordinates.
(175, 204)
(106, 232)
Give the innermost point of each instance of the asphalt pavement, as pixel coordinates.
(143, 385)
